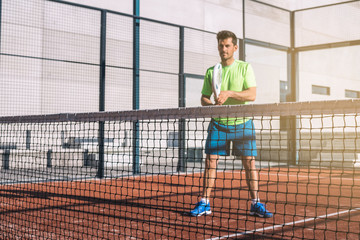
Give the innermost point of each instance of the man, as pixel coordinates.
(238, 86)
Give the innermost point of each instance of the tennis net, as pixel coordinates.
(111, 175)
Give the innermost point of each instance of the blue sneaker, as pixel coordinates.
(259, 210)
(200, 209)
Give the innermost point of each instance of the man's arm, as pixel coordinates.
(243, 96)
(205, 100)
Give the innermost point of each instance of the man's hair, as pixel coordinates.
(225, 35)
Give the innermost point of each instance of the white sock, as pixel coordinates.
(254, 201)
(205, 200)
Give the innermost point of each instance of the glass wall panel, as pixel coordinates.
(336, 68)
(267, 24)
(327, 25)
(270, 68)
(193, 88)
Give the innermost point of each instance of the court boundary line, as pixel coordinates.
(307, 176)
(286, 224)
(93, 178)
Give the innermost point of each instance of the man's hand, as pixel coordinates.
(223, 96)
(206, 101)
(246, 95)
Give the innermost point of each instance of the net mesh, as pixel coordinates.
(111, 175)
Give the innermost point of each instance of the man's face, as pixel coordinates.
(226, 49)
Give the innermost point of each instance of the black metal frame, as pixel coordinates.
(182, 98)
(136, 85)
(292, 51)
(100, 172)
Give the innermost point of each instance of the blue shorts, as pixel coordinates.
(220, 136)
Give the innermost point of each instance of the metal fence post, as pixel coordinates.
(182, 102)
(100, 172)
(293, 133)
(136, 85)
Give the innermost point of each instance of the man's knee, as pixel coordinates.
(212, 159)
(248, 161)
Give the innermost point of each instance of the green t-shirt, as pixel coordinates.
(237, 77)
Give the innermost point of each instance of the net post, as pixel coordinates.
(136, 148)
(48, 158)
(293, 141)
(100, 172)
(181, 166)
(86, 158)
(28, 139)
(5, 159)
(182, 103)
(136, 85)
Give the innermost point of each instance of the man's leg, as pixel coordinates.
(252, 180)
(209, 175)
(252, 176)
(203, 207)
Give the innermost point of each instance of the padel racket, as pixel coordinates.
(216, 81)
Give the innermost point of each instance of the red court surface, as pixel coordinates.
(307, 204)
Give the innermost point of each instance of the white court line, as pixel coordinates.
(305, 176)
(145, 175)
(286, 224)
